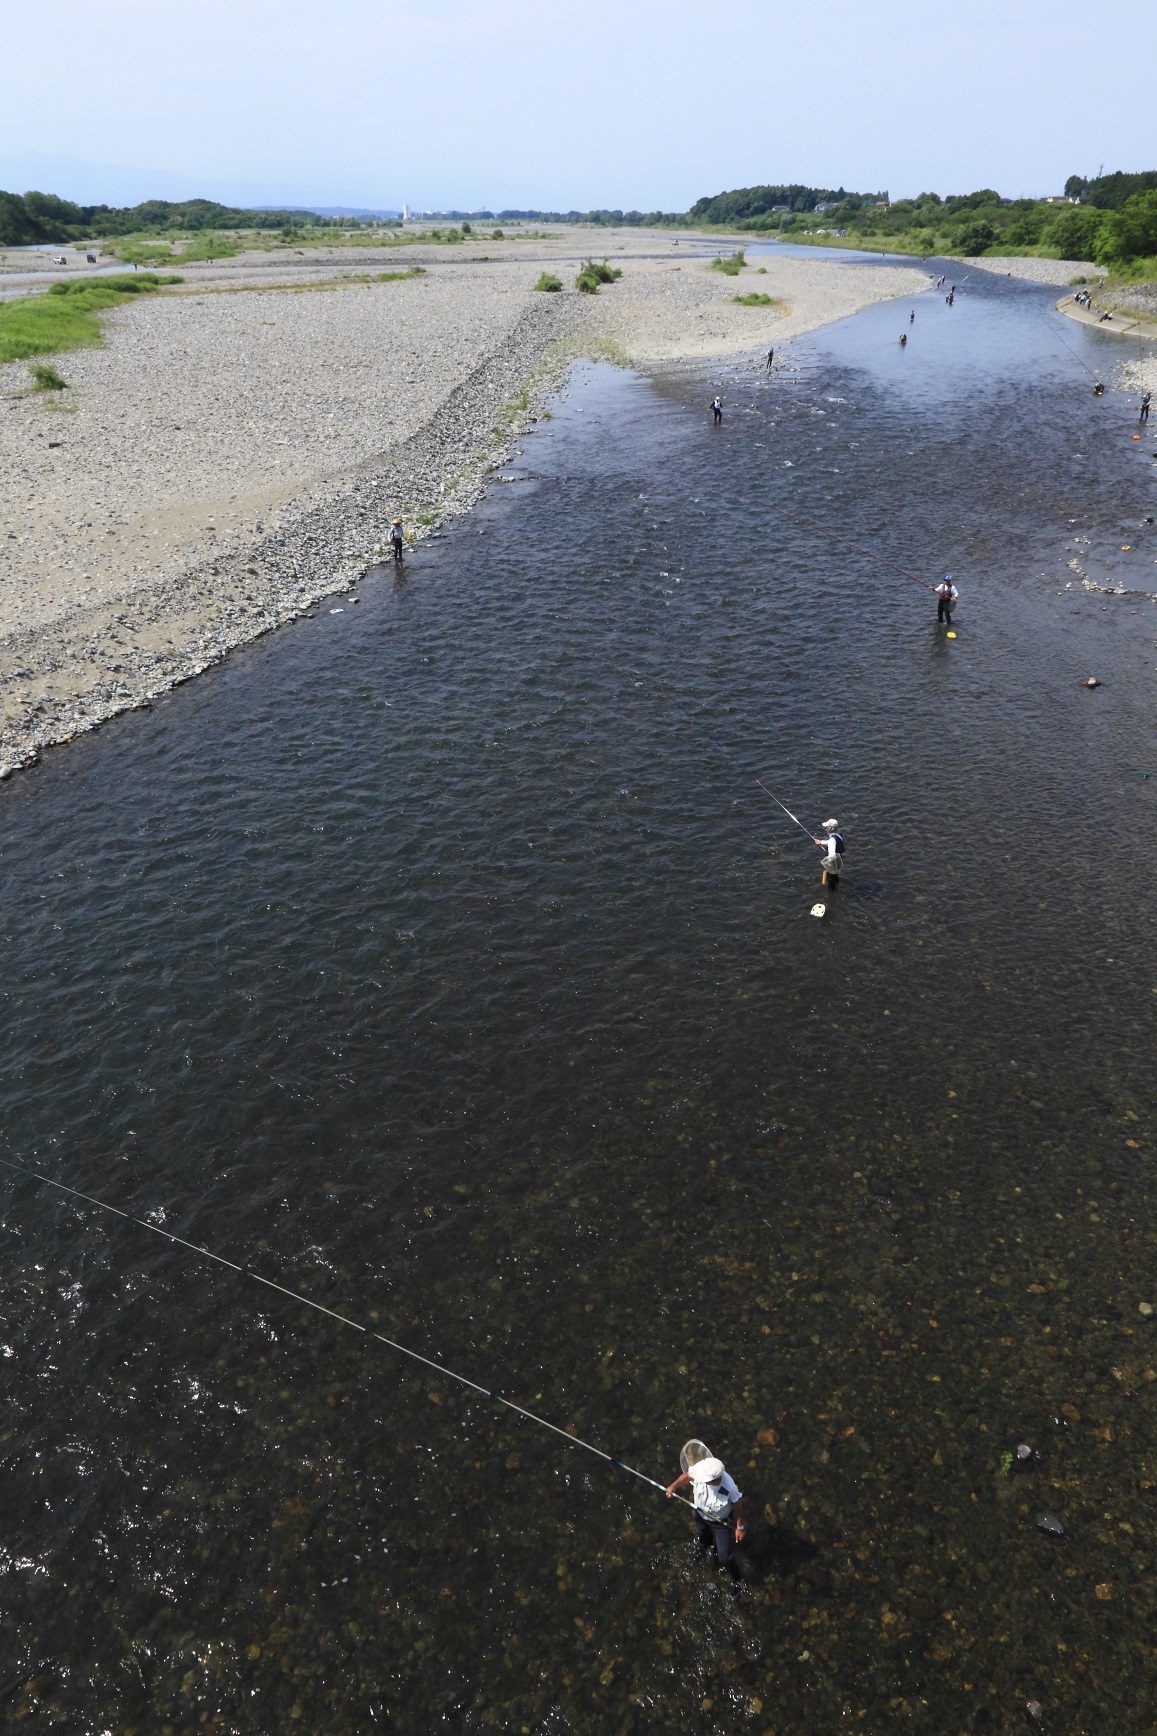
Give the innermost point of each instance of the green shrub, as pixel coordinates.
(593, 273)
(1027, 230)
(549, 283)
(1073, 233)
(1130, 233)
(974, 238)
(753, 300)
(497, 235)
(45, 378)
(731, 266)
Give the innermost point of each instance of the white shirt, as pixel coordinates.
(715, 1500)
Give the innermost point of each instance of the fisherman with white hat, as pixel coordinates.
(717, 1501)
(833, 857)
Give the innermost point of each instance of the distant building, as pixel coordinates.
(1059, 199)
(405, 213)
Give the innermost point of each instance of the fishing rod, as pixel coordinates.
(879, 559)
(342, 1319)
(785, 808)
(1056, 334)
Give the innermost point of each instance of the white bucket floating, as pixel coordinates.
(819, 910)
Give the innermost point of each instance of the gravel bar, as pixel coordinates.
(236, 450)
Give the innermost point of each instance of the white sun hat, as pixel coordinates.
(706, 1471)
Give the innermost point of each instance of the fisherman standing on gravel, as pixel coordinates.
(1145, 403)
(397, 539)
(717, 1501)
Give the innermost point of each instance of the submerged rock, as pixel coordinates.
(1046, 1522)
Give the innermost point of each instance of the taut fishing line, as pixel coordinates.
(785, 808)
(342, 1319)
(824, 531)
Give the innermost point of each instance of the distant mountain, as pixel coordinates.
(347, 210)
(86, 183)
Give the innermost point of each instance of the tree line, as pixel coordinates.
(31, 217)
(1111, 219)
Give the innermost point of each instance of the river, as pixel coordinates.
(440, 958)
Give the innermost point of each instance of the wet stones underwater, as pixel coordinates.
(438, 960)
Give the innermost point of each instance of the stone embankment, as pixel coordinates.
(1033, 270)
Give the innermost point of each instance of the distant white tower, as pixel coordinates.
(405, 213)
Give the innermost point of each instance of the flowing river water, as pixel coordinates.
(441, 959)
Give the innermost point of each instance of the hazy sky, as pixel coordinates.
(605, 102)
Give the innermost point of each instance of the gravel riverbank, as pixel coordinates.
(1033, 270)
(237, 449)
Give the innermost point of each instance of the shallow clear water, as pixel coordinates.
(441, 959)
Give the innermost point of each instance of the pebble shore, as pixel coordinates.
(1061, 272)
(237, 449)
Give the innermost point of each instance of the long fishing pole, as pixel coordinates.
(342, 1319)
(879, 559)
(1056, 334)
(785, 808)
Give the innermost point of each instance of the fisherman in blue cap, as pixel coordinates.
(946, 595)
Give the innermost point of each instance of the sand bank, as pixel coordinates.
(237, 449)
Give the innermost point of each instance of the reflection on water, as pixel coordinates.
(442, 960)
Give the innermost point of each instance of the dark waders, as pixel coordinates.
(721, 1534)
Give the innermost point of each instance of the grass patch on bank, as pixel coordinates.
(46, 379)
(64, 317)
(755, 299)
(1137, 271)
(732, 265)
(604, 349)
(549, 283)
(385, 276)
(351, 280)
(144, 253)
(208, 246)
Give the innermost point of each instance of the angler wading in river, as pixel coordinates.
(833, 859)
(718, 1504)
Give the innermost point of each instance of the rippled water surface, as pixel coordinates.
(441, 959)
